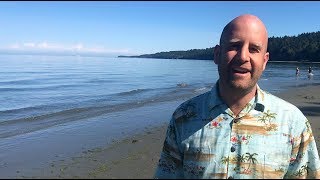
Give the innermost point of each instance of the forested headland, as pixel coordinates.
(304, 47)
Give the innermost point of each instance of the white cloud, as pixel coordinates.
(78, 48)
(31, 45)
(43, 45)
(14, 46)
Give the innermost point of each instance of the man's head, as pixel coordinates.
(242, 54)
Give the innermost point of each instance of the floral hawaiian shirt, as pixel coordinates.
(270, 138)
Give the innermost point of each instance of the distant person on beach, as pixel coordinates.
(297, 71)
(237, 130)
(310, 74)
(310, 70)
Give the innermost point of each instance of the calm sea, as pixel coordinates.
(38, 92)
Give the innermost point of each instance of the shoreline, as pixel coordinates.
(136, 156)
(38, 154)
(295, 62)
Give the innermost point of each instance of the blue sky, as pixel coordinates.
(133, 27)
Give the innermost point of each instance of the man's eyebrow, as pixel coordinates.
(256, 45)
(234, 40)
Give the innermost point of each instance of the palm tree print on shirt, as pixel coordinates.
(267, 118)
(244, 162)
(252, 160)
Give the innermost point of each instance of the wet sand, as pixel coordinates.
(136, 157)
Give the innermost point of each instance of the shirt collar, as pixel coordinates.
(215, 99)
(259, 95)
(259, 99)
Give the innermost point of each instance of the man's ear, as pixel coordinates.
(266, 59)
(216, 54)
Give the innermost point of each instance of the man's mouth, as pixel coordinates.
(240, 70)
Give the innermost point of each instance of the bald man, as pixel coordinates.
(237, 130)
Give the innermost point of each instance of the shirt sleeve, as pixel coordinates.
(304, 162)
(170, 162)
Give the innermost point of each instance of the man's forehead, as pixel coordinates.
(248, 27)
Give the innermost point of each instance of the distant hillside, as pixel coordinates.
(200, 54)
(304, 47)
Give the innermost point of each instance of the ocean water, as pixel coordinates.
(56, 107)
(40, 92)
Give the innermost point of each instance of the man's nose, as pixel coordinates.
(244, 54)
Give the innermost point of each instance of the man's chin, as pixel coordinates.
(241, 86)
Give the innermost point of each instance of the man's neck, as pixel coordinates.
(236, 99)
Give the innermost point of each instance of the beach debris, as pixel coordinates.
(309, 97)
(182, 84)
(134, 141)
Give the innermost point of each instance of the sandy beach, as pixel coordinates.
(136, 157)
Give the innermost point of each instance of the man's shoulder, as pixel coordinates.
(275, 102)
(195, 100)
(283, 112)
(189, 107)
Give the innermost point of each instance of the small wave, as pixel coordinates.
(51, 87)
(24, 112)
(200, 89)
(23, 109)
(29, 119)
(17, 82)
(99, 81)
(135, 91)
(14, 127)
(12, 89)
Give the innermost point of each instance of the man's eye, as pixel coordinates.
(254, 50)
(234, 47)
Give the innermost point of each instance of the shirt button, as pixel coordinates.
(236, 120)
(230, 177)
(233, 149)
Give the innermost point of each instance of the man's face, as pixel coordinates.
(241, 56)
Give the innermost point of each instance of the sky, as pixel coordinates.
(113, 28)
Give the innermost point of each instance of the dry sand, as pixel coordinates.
(136, 157)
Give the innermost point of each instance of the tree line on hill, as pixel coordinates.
(303, 47)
